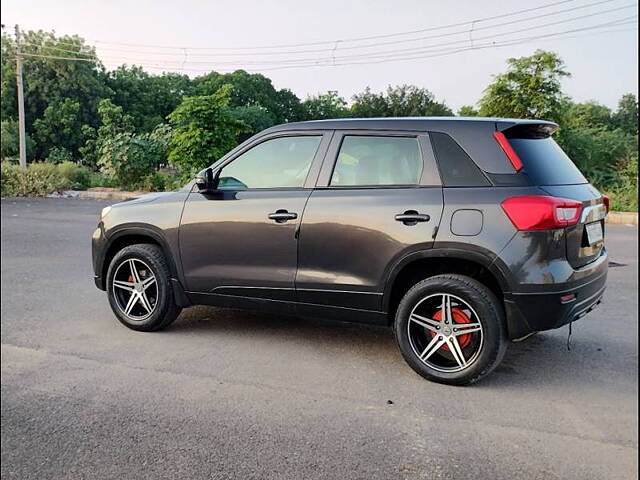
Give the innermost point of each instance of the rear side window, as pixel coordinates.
(545, 163)
(377, 160)
(456, 167)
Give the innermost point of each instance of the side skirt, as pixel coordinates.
(289, 308)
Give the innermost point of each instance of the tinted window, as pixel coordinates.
(370, 160)
(545, 163)
(456, 167)
(277, 163)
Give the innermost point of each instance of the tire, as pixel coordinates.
(159, 309)
(469, 302)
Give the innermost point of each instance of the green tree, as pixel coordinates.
(9, 141)
(467, 111)
(130, 158)
(626, 117)
(113, 120)
(256, 118)
(530, 88)
(8, 93)
(325, 105)
(49, 82)
(60, 126)
(587, 115)
(204, 130)
(399, 101)
(148, 99)
(53, 83)
(252, 89)
(124, 156)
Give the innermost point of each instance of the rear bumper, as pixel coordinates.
(541, 308)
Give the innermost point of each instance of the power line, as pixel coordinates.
(365, 56)
(353, 39)
(371, 45)
(78, 59)
(390, 53)
(442, 52)
(51, 47)
(534, 27)
(450, 51)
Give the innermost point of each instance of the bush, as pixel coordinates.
(154, 182)
(127, 158)
(98, 179)
(9, 179)
(38, 180)
(624, 196)
(78, 176)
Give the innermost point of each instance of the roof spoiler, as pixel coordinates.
(528, 129)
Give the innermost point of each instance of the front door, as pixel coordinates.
(378, 198)
(241, 239)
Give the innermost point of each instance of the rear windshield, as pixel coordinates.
(545, 163)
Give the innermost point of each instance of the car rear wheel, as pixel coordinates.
(139, 288)
(450, 329)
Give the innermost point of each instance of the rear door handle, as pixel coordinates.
(281, 216)
(411, 217)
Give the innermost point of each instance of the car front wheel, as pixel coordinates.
(139, 289)
(450, 329)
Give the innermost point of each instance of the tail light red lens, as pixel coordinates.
(508, 150)
(607, 202)
(540, 212)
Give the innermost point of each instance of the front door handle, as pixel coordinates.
(411, 217)
(281, 216)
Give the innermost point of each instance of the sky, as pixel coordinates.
(455, 63)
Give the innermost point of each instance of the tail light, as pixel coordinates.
(508, 150)
(607, 202)
(540, 212)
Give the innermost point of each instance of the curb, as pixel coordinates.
(110, 195)
(622, 218)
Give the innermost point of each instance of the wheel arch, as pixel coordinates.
(135, 234)
(424, 264)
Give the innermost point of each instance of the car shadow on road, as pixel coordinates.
(541, 360)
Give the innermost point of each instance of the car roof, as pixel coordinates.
(406, 123)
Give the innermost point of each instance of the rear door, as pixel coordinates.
(548, 167)
(378, 198)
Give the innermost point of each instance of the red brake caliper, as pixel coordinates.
(458, 317)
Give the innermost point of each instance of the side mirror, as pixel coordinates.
(207, 181)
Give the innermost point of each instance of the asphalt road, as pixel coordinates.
(229, 394)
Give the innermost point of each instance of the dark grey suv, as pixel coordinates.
(459, 233)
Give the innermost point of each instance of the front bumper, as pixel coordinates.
(97, 279)
(98, 244)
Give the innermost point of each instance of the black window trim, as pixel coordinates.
(490, 183)
(430, 176)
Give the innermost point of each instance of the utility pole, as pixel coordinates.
(23, 144)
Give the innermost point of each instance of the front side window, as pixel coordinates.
(371, 160)
(277, 163)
